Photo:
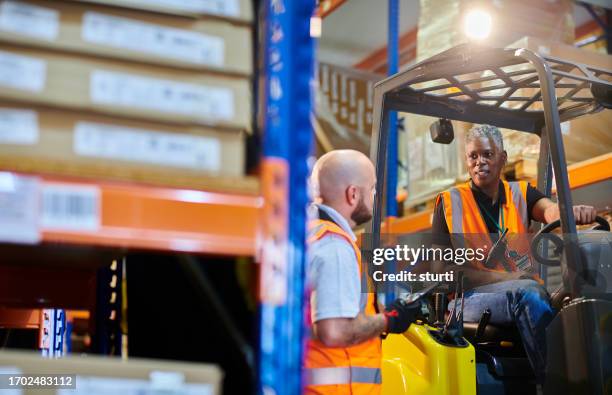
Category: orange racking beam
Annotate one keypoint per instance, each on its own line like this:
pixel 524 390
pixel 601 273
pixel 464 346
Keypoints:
pixel 590 171
pixel 19 318
pixel 168 219
pixel 326 7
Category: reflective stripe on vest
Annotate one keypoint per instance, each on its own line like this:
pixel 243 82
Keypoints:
pixel 457 210
pixel 518 198
pixel 455 225
pixel 342 375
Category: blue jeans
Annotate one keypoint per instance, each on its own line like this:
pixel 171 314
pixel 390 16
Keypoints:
pixel 524 303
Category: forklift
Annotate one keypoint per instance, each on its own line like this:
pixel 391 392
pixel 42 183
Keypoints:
pixel 439 355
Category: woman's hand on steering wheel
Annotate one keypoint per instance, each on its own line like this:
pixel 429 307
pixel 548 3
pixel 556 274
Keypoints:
pixel 584 215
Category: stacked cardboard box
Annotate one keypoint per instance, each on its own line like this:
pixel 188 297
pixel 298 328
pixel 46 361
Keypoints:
pixel 200 44
pixel 584 137
pixel 349 94
pixel 233 10
pixel 109 92
pixel 430 167
pixel 441 22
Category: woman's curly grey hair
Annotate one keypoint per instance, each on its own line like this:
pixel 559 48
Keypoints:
pixel 487 131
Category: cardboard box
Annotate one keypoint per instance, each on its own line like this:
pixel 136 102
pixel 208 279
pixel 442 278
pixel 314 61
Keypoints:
pixel 432 167
pixel 441 22
pixel 584 137
pixel 234 10
pixel 118 88
pixel 563 51
pixel 202 44
pixel 349 95
pixel 99 374
pixel 588 136
pixel 44 140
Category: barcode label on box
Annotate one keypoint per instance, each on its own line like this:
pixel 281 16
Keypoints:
pixel 216 7
pixel 18 126
pixel 138 145
pixel 70 207
pixel 29 20
pixel 22 72
pixel 19 208
pixel 119 89
pixel 146 37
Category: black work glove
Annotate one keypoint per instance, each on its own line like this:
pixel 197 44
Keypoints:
pixel 400 314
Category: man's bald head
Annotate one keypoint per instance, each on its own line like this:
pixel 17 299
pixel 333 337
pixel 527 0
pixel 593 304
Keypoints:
pixel 341 174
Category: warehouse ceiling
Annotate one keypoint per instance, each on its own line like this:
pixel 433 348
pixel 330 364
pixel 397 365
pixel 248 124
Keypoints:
pixel 359 27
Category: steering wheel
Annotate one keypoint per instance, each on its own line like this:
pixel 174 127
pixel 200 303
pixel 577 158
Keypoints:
pixel 544 234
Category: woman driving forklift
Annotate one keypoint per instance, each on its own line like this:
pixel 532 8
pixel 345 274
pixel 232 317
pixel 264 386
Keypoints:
pixel 487 210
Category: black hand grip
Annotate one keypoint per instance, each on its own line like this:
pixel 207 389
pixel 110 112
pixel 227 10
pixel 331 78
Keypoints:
pixel 482 324
pixel 439 308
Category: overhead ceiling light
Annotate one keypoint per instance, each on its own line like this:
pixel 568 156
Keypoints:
pixel 477 24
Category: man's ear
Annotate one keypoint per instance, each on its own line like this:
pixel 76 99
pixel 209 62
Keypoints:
pixel 351 195
pixel 505 156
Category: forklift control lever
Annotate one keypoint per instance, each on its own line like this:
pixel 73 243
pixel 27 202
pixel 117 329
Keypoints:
pixel 482 324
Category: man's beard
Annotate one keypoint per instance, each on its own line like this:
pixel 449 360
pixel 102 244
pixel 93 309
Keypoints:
pixel 361 215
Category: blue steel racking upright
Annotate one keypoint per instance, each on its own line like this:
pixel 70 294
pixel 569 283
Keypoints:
pixel 288 139
pixel 392 66
pixel 392 162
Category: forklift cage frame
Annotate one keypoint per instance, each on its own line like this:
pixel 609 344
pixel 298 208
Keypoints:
pixel 484 85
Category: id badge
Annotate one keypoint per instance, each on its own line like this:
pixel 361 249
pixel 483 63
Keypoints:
pixel 522 262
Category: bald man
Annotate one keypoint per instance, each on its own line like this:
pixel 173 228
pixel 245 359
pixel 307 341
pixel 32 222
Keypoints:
pixel 343 355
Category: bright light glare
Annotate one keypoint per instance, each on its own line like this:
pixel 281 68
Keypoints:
pixel 477 24
pixel 7 182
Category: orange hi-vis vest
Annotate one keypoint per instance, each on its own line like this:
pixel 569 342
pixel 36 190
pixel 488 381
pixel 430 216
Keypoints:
pixel 342 370
pixel 463 215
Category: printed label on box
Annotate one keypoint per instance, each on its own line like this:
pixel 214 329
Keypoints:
pixel 29 20
pixel 19 208
pixel 565 128
pixel 217 7
pixel 138 145
pixel 18 126
pixel 22 72
pixel 119 89
pixel 145 37
pixel 70 207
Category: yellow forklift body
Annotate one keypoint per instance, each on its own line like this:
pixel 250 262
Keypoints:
pixel 414 363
